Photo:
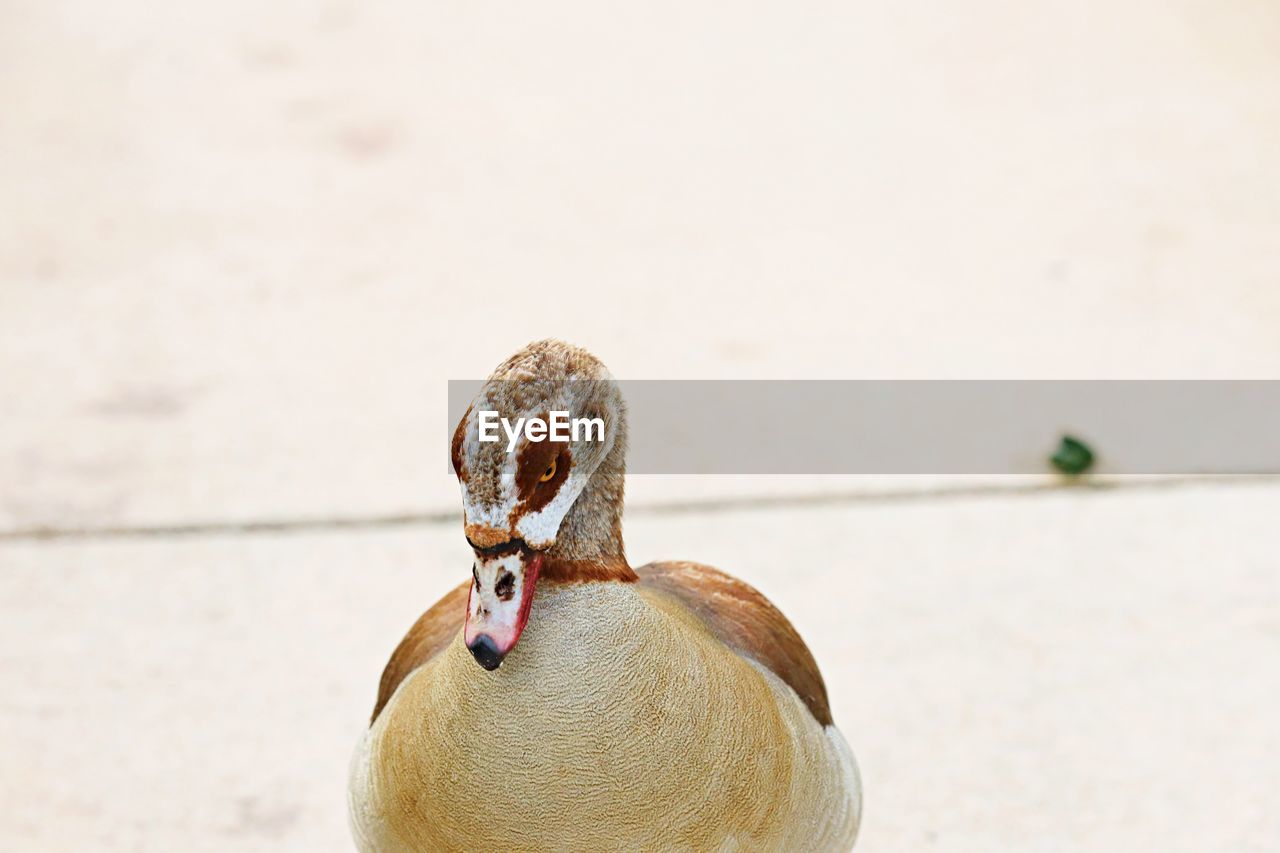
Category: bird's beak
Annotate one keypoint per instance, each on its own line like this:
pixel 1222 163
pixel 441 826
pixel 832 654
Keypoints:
pixel 498 608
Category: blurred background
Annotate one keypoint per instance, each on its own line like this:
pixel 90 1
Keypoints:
pixel 243 246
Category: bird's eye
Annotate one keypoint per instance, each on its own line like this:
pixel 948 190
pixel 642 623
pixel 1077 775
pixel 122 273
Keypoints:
pixel 549 473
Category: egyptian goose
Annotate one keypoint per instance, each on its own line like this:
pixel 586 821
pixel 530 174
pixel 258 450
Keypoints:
pixel 667 707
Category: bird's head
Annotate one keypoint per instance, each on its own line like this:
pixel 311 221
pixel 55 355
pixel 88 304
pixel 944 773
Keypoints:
pixel 554 416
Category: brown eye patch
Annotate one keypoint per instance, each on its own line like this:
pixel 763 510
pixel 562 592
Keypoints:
pixel 505 587
pixel 540 469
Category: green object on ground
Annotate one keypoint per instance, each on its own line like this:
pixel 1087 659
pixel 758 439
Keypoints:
pixel 1073 456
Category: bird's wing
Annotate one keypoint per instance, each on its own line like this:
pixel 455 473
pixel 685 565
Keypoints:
pixel 427 638
pixel 745 621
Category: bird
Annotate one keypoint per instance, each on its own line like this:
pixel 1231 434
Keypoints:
pixel 560 699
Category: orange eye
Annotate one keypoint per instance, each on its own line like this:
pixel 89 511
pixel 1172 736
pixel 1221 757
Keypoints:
pixel 549 473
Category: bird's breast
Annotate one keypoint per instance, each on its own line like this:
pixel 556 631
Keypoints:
pixel 616 722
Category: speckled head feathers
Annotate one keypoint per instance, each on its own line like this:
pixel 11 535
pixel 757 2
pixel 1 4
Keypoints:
pixel 528 491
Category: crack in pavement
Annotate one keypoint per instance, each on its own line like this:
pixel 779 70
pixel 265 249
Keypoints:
pixel 747 503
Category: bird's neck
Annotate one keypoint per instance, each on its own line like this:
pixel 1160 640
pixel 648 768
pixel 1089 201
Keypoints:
pixel 589 543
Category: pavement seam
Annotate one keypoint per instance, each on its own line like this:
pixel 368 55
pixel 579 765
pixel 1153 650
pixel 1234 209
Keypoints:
pixel 938 494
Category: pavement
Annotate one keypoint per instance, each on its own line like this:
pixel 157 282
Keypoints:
pixel 243 248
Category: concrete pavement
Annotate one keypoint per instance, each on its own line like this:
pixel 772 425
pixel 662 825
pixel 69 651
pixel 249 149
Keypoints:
pixel 244 246
pixel 1065 672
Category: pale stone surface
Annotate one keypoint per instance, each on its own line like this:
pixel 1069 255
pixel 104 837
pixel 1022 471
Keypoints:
pixel 243 245
pixel 1060 673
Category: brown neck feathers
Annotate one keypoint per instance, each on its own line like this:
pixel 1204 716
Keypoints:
pixel 585 571
pixel 589 543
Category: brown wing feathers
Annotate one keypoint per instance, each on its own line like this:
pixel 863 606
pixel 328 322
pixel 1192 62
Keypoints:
pixel 745 621
pixel 427 638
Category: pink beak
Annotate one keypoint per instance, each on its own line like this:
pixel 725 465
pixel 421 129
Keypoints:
pixel 498 606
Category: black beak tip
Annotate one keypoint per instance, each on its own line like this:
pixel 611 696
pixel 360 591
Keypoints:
pixel 486 653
